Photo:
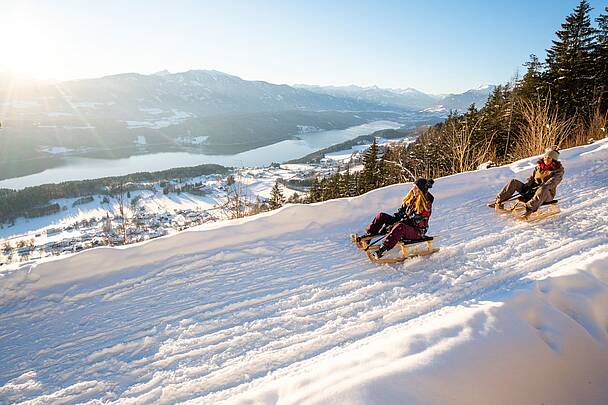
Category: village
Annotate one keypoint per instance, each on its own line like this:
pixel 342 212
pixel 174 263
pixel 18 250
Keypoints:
pixel 150 211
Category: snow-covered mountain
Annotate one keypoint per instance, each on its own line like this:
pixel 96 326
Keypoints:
pixel 408 98
pixel 127 114
pixel 391 98
pixel 281 307
pixel 196 92
pixel 461 102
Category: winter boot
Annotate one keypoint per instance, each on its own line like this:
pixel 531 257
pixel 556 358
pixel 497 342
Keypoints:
pixel 359 237
pixel 379 253
pixel 527 214
pixel 499 205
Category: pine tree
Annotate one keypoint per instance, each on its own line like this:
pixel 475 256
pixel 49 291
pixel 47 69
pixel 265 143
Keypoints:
pixel 345 182
pixel 533 85
pixel 314 194
pixel 370 176
pixel 601 60
pixel 277 200
pixel 570 62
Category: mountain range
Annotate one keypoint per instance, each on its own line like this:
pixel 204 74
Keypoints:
pixel 407 98
pixel 131 113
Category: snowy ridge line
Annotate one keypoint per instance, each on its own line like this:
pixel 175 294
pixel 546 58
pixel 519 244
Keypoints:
pixel 252 308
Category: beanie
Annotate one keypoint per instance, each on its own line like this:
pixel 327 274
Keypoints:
pixel 552 153
pixel 424 184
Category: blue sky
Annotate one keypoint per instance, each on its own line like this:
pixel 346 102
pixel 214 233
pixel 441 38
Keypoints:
pixel 434 46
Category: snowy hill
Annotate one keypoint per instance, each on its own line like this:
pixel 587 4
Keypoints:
pixel 281 307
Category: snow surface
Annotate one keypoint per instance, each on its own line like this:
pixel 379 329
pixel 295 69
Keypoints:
pixel 281 308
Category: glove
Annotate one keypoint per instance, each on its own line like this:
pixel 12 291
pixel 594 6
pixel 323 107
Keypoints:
pixel 401 214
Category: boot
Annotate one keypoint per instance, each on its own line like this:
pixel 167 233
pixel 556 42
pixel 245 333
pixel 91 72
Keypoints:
pixel 499 205
pixel 359 237
pixel 379 253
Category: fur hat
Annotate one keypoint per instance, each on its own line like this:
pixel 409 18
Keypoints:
pixel 552 152
pixel 424 184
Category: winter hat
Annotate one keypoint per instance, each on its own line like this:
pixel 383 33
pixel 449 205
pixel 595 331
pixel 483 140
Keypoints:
pixel 424 184
pixel 552 153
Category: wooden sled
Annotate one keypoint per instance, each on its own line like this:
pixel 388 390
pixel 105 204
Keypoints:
pixel 517 208
pixel 408 248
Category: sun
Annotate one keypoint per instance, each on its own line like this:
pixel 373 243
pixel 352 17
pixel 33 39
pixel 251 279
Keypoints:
pixel 26 45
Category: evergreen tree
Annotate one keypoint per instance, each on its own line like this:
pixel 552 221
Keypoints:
pixel 277 199
pixel 370 176
pixel 294 199
pixel 314 194
pixel 601 60
pixel 533 85
pixel 345 183
pixel 570 62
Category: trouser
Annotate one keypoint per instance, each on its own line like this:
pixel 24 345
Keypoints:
pixel 398 231
pixel 541 195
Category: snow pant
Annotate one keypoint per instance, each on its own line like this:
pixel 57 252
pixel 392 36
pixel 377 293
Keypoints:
pixel 541 195
pixel 399 230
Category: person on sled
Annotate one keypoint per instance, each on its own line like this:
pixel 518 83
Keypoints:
pixel 410 222
pixel 540 187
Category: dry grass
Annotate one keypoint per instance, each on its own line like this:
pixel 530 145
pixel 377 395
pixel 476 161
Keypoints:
pixel 461 153
pixel 541 127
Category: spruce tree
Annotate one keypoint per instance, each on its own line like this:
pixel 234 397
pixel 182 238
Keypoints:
pixel 533 85
pixel 601 60
pixel 345 182
pixel 570 62
pixel 277 200
pixel 314 194
pixel 369 176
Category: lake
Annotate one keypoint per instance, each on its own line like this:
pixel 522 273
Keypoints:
pixel 75 168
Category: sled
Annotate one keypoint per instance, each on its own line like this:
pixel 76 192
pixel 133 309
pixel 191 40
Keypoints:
pixel 517 208
pixel 407 248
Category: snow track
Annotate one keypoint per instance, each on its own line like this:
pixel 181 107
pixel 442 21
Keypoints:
pixel 210 314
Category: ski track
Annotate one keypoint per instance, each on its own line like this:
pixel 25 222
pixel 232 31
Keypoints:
pixel 177 333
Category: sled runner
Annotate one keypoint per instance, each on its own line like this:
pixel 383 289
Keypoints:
pixel 408 248
pixel 517 209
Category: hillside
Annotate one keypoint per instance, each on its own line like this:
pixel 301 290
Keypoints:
pixel 281 307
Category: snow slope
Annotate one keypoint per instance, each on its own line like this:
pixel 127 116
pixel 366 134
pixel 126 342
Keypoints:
pixel 281 308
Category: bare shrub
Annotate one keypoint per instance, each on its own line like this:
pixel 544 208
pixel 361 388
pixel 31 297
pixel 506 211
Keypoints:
pixel 238 202
pixel 597 126
pixel 540 128
pixel 462 151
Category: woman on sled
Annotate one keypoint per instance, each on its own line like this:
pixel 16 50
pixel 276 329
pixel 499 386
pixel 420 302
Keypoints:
pixel 410 222
pixel 540 187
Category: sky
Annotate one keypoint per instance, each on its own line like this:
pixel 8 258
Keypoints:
pixel 433 46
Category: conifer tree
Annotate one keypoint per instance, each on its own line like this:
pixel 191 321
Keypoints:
pixel 345 182
pixel 314 194
pixel 533 85
pixel 570 62
pixel 277 199
pixel 369 176
pixel 601 60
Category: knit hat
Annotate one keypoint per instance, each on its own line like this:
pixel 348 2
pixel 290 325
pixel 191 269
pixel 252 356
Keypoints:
pixel 424 184
pixel 552 153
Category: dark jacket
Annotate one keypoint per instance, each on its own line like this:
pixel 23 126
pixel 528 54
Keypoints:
pixel 420 222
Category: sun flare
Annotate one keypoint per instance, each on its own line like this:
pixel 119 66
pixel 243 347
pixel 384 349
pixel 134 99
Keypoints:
pixel 27 46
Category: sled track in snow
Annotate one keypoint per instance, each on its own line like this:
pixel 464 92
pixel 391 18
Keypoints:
pixel 178 332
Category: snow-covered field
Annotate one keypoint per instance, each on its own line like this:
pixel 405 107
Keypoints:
pixel 281 308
